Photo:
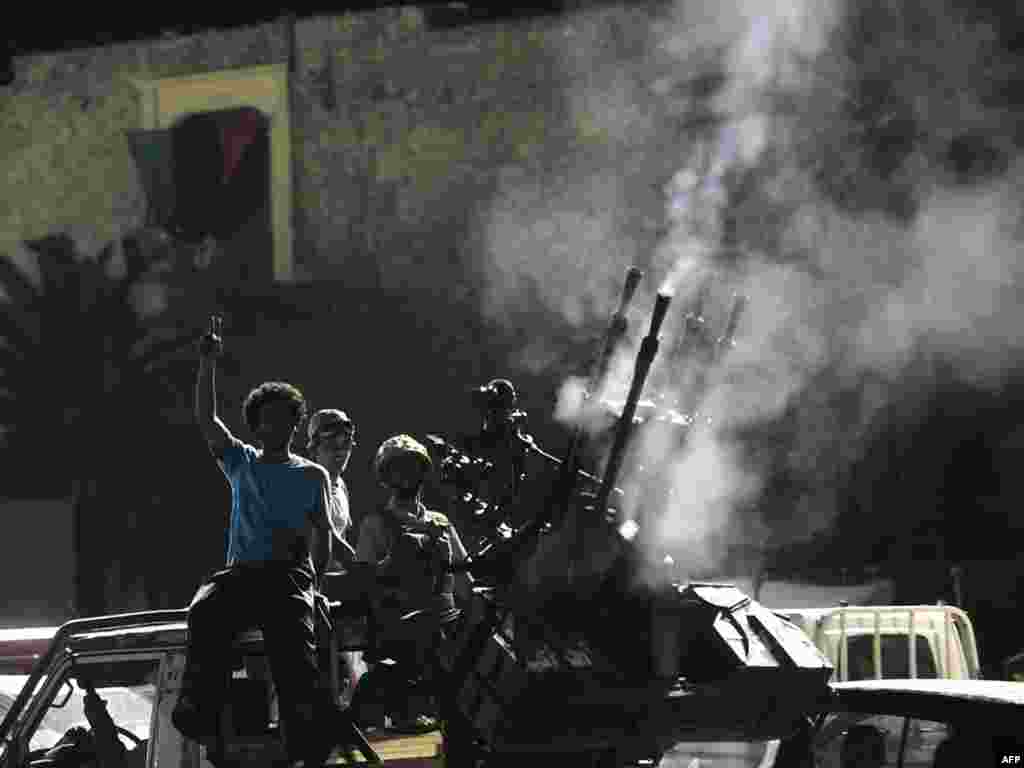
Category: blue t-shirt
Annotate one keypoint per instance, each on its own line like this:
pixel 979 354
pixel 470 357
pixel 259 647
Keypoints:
pixel 272 505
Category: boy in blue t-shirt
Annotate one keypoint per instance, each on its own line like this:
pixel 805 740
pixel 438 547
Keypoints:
pixel 279 541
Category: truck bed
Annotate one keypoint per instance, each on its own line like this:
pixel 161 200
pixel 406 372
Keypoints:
pixel 398 750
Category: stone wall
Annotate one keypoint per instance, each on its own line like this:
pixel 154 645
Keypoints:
pixel 401 128
pixel 404 134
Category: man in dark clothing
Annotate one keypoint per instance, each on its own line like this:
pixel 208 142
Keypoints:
pixel 279 542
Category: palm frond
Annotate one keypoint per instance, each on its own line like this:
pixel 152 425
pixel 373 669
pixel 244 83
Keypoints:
pixel 136 263
pixel 58 256
pixel 135 260
pixel 105 256
pixel 15 283
pixel 17 327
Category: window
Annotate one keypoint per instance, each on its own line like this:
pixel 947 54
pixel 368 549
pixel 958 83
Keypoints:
pixel 128 688
pixel 895 657
pixel 221 190
pixel 230 114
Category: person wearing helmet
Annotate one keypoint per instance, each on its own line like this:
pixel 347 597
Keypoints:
pixel 414 550
pixel 502 422
pixel 495 478
pixel 404 533
pixel 331 438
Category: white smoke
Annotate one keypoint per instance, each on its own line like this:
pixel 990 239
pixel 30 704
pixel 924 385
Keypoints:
pixel 836 294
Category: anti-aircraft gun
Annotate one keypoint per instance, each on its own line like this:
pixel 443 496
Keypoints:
pixel 571 652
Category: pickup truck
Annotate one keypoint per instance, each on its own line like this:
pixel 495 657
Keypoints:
pixel 105 688
pixel 134 662
pixel 875 642
pixel 869 642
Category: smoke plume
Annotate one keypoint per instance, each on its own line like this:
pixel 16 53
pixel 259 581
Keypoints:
pixel 850 171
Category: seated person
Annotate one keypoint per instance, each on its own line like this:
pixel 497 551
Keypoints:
pixel 413 550
pixel 332 436
pixel 100 745
pixel 279 543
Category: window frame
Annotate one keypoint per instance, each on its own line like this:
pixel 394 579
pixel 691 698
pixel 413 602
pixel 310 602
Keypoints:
pixel 31 718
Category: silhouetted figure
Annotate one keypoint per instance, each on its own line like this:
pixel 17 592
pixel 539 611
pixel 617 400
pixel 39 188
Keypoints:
pixel 498 477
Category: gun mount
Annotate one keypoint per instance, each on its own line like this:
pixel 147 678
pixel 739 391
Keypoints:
pixel 634 667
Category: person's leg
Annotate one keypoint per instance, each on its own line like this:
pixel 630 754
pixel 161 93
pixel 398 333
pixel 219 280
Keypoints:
pixel 289 633
pixel 416 642
pixel 213 619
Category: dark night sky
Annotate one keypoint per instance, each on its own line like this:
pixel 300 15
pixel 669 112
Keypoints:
pixel 37 33
pixel 42 30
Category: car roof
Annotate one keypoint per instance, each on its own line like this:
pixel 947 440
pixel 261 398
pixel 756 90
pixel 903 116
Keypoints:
pixel 998 691
pixel 156 636
pixel 129 631
pixel 1001 702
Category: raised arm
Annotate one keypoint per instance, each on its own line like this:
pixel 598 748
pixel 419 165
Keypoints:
pixel 214 432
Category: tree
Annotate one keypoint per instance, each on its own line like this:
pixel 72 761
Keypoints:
pixel 79 378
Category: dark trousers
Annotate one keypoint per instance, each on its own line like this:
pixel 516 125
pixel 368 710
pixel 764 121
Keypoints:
pixel 278 599
pixel 416 644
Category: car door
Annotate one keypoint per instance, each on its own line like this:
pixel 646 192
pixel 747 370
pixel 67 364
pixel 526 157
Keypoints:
pixel 170 749
pixel 848 739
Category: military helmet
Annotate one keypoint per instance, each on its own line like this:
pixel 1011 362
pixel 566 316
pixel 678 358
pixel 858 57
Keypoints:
pixel 400 447
pixel 497 395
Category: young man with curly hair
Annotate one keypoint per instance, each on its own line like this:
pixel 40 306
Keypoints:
pixel 279 541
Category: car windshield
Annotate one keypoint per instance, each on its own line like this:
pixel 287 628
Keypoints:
pixel 129 702
pixel 10 687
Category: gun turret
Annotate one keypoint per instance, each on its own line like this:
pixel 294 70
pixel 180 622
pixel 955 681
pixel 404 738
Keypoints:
pixel 616 330
pixel 648 351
